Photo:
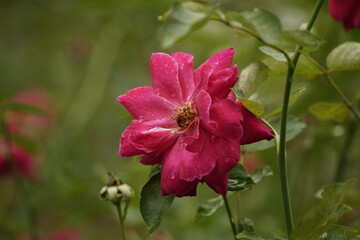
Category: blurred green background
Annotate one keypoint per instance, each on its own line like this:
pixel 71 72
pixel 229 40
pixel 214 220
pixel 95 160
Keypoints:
pixel 85 53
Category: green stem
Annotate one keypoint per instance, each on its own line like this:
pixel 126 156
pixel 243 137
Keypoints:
pixel 121 221
pixel 226 22
pixel 343 97
pixel 343 157
pixel 337 89
pixel 20 185
pixel 231 219
pixel 282 143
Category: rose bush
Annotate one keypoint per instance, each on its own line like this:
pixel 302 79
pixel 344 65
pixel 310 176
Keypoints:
pixel 189 122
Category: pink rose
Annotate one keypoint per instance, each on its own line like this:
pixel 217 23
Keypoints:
pixel 346 11
pixel 23 161
pixel 30 124
pixel 189 122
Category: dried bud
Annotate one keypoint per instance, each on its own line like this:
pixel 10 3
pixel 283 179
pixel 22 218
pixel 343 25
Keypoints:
pixel 116 191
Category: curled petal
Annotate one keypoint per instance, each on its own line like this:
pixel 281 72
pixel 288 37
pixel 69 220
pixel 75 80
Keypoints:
pixel 186 78
pixel 254 129
pixel 146 137
pixel 144 103
pixel 227 116
pixel 221 82
pixel 217 181
pixel 164 73
pixel 220 60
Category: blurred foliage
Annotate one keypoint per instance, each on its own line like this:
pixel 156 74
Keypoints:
pixel 85 53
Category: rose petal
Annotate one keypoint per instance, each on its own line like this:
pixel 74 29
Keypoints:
pixel 151 158
pixel 188 162
pixel 186 79
pixel 203 103
pixel 24 162
pixel 221 82
pixel 227 116
pixel 175 186
pixel 346 11
pixel 164 73
pixel 201 78
pixel 227 153
pixel 253 129
pixel 217 181
pixel 144 103
pixel 220 60
pixel 145 137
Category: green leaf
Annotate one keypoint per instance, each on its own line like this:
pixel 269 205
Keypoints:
pixel 240 179
pixel 330 111
pixel 253 236
pixel 357 95
pixel 261 22
pixel 275 54
pixel 305 68
pixel 255 107
pixel 23 108
pixel 294 128
pixel 293 97
pixel 182 19
pixel 303 38
pixel 209 207
pixel 248 236
pixel 154 170
pixel 258 174
pixel 251 77
pixel 344 57
pixel 245 225
pixel 337 232
pixel 152 204
pixel 323 216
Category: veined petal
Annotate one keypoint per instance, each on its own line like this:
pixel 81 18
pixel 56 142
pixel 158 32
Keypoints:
pixel 190 161
pixel 147 136
pixel 220 60
pixel 227 116
pixel 144 103
pixel 221 82
pixel 164 73
pixel 217 181
pixel 186 77
pixel 254 129
pixel 227 153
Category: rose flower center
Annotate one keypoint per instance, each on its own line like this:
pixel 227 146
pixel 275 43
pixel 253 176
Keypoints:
pixel 184 116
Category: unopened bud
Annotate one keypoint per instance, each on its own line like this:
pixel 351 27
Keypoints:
pixel 116 191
